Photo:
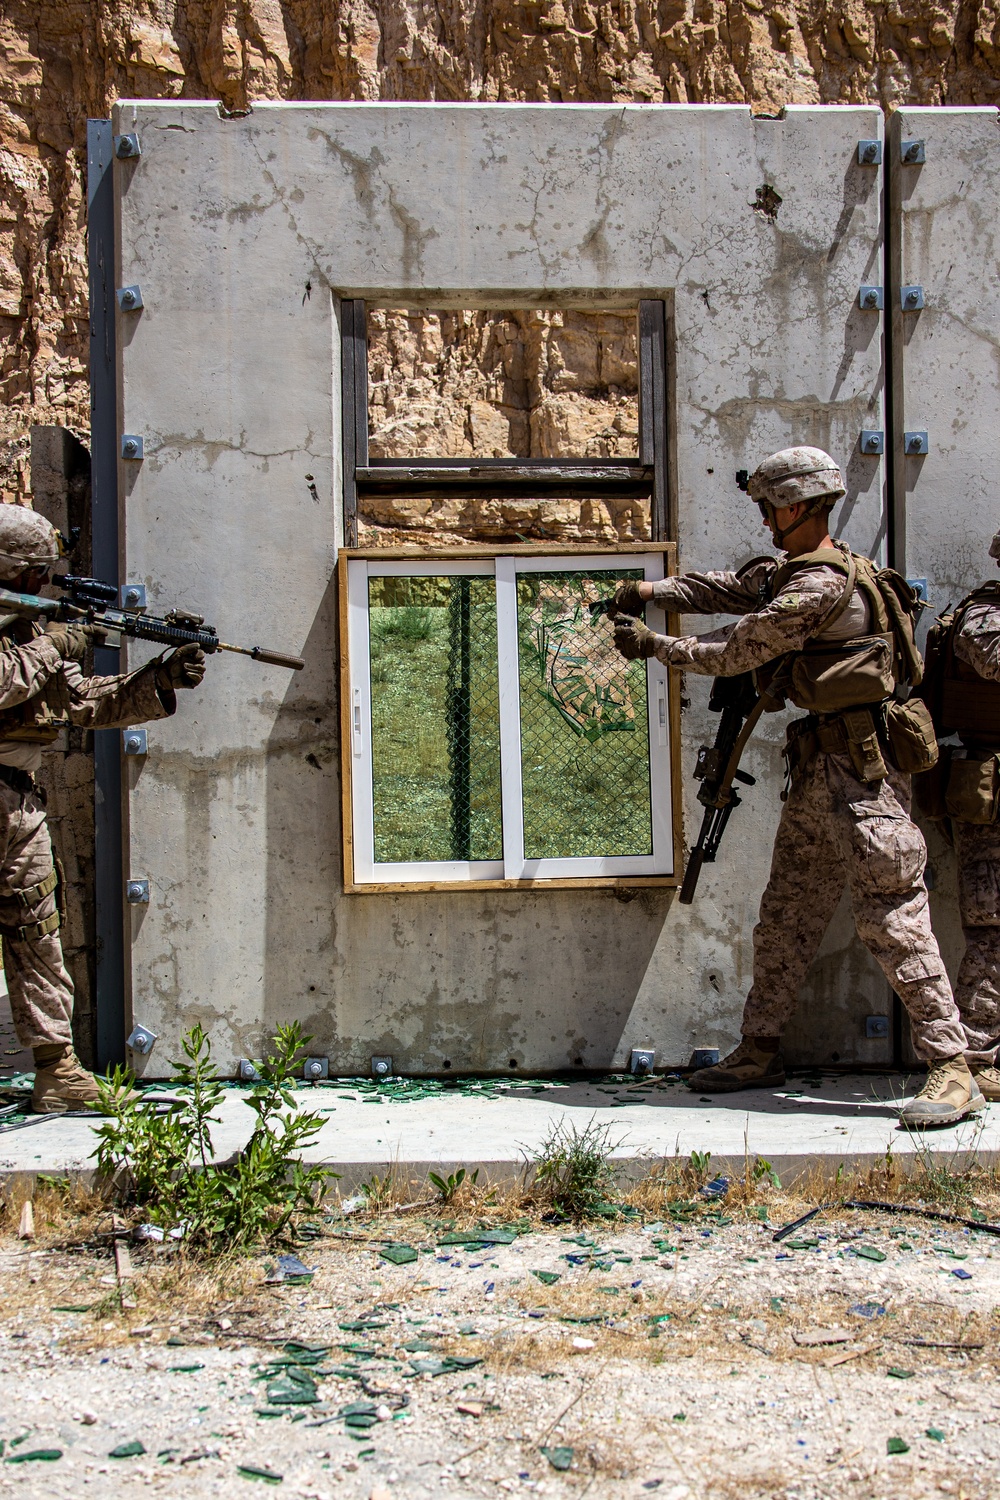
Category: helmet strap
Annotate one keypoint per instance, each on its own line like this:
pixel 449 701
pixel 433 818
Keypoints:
pixel 807 515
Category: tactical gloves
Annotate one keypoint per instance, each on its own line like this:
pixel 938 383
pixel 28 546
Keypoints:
pixel 184 668
pixel 628 600
pixel 634 640
pixel 71 641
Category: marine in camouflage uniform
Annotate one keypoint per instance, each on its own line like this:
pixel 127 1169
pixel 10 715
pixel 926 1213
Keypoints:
pixel 846 816
pixel 964 689
pixel 43 689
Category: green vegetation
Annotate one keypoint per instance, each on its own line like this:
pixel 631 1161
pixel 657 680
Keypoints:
pixel 163 1162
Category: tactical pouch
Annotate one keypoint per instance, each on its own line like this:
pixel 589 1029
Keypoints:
pixel 833 676
pixel 863 744
pixel 930 787
pixel 973 794
pixel 913 743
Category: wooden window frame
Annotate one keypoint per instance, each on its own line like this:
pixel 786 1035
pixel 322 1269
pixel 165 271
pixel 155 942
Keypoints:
pixel 469 552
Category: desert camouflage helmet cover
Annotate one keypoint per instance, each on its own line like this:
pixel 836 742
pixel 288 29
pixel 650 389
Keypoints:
pixel 27 540
pixel 796 474
pixel 995 548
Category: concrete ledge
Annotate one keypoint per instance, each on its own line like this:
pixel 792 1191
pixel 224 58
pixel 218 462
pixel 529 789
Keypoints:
pixel 805 1132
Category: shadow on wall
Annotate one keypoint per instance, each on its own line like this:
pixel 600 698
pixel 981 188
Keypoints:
pixel 455 981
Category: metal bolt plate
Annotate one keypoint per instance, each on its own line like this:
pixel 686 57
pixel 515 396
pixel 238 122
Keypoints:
pixel 876 1026
pixel 137 892
pixel 919 587
pixel 381 1067
pixel 914 442
pixel 869 153
pixel 127 146
pixel 131 446
pixel 246 1071
pixel 642 1060
pixel 133 597
pixel 911 298
pixel 704 1057
pixel 134 741
pixel 129 298
pixel 142 1040
pixel 315 1068
pixel 872 441
pixel 871 298
pixel 912 152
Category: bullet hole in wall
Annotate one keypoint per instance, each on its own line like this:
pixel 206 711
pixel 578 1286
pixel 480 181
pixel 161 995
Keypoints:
pixel 512 1063
pixel 446 1063
pixel 835 1057
pixel 578 1062
pixel 767 202
pixel 713 980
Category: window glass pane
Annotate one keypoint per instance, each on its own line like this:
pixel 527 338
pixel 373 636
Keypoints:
pixel 584 726
pixel 435 718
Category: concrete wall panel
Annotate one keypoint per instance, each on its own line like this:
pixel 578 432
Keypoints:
pixel 244 233
pixel 946 213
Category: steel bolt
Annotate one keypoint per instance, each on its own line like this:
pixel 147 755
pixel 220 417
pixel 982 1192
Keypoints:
pixel 911 299
pixel 914 445
pixel 132 596
pixel 130 447
pixel 871 443
pixel 314 1069
pixel 913 151
pixel 869 152
pixel 133 744
pixel 128 297
pixel 871 298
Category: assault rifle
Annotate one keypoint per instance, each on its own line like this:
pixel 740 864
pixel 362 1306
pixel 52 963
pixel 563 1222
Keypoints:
pixel 89 601
pixel 718 766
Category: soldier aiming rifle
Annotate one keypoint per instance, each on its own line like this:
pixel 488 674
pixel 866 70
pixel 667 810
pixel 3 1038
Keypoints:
pixel 832 633
pixel 42 690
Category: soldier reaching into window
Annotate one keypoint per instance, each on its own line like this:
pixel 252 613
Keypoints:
pixel 827 630
pixel 43 689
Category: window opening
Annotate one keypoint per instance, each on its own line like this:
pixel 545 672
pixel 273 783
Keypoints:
pixel 615 477
pixel 492 731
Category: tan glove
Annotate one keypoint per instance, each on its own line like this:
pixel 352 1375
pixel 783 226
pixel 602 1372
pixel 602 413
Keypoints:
pixel 628 600
pixel 634 640
pixel 72 641
pixel 184 668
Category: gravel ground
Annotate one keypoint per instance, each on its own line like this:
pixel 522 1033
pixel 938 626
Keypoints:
pixel 680 1359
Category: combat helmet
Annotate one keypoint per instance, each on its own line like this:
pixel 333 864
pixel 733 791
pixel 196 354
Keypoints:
pixel 995 549
pixel 791 475
pixel 27 540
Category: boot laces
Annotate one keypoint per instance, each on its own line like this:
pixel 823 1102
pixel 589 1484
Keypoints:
pixel 938 1080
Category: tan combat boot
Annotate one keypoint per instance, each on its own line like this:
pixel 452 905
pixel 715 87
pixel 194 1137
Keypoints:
pixel 988 1080
pixel 61 1081
pixel 749 1067
pixel 949 1094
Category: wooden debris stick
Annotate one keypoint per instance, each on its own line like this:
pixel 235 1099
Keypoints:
pixel 124 1269
pixel 846 1354
pixel 814 1336
pixel 26 1228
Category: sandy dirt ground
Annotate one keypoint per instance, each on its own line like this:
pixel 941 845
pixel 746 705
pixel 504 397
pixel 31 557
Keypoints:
pixel 686 1358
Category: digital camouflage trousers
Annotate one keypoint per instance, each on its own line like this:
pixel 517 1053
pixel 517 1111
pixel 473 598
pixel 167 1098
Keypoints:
pixel 41 991
pixel 835 828
pixel 977 990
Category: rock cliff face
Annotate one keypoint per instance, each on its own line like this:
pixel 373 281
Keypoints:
pixel 517 384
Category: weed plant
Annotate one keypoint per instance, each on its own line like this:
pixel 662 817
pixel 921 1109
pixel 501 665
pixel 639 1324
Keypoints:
pixel 163 1163
pixel 573 1172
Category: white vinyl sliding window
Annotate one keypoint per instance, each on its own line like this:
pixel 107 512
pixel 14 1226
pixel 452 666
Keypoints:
pixel 495 733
